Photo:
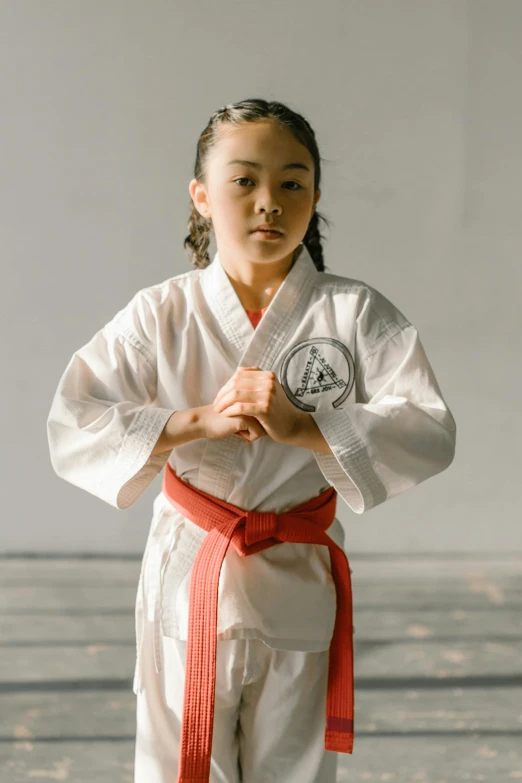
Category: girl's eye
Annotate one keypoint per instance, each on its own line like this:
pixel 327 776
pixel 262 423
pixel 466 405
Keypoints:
pixel 288 182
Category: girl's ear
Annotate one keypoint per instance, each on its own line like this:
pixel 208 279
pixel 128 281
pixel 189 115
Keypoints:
pixel 199 197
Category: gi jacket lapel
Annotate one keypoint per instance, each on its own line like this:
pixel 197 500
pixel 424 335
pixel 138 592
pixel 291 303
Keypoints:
pixel 260 347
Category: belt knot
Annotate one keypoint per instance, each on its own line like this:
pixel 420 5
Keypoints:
pixel 260 525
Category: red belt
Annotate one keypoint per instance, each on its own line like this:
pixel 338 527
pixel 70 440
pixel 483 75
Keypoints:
pixel 250 532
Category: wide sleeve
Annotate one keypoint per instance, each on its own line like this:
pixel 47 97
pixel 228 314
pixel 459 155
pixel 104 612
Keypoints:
pixel 400 431
pixel 105 421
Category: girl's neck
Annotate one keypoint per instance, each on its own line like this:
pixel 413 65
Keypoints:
pixel 256 285
pixel 253 298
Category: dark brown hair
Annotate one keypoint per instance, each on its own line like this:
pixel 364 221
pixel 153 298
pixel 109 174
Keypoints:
pixel 197 241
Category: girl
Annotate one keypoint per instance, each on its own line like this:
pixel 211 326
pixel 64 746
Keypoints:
pixel 264 386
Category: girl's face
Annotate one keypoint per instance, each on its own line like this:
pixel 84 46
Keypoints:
pixel 240 196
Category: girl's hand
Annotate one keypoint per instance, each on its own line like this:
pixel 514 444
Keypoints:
pixel 214 425
pixel 255 392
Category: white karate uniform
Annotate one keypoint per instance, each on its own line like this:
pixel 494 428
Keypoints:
pixel 342 352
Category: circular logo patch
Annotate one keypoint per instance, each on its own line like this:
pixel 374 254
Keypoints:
pixel 317 371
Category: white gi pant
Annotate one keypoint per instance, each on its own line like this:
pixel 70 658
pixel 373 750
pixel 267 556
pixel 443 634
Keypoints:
pixel 269 719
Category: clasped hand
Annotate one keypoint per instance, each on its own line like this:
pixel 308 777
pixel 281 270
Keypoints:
pixel 255 392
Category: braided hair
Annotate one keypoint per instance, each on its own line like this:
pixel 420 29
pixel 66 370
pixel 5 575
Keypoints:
pixel 198 239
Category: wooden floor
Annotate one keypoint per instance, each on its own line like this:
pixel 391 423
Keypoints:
pixel 438 663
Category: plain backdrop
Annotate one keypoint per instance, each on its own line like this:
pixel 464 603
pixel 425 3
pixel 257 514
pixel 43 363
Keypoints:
pixel 416 107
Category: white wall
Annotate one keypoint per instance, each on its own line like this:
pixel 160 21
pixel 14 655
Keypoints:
pixel 416 106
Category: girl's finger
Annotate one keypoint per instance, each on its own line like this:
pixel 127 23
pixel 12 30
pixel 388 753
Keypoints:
pixel 241 409
pixel 232 398
pixel 224 390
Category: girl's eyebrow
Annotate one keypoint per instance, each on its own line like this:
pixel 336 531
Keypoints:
pixel 259 166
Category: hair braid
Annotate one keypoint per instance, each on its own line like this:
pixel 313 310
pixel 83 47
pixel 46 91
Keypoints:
pixel 312 241
pixel 198 238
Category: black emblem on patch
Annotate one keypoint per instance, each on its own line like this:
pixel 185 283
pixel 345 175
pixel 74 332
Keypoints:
pixel 316 367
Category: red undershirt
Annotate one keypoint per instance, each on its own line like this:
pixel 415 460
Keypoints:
pixel 255 316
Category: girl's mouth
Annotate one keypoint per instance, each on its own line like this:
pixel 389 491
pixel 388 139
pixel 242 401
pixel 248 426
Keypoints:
pixel 267 234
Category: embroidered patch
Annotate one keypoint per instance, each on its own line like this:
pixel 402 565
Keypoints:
pixel 320 366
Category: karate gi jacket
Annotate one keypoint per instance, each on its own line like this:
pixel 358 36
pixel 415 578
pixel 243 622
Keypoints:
pixel 342 352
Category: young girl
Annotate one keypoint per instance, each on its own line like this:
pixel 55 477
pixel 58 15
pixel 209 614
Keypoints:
pixel 265 387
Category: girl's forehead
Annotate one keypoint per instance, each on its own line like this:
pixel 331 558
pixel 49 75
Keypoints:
pixel 244 140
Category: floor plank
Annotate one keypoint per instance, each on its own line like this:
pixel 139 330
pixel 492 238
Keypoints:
pixel 384 625
pixel 397 759
pixel 380 663
pixel 104 713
